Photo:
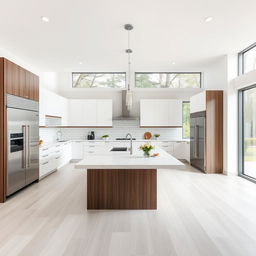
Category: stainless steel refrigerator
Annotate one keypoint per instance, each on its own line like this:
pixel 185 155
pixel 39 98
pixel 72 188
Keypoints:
pixel 22 143
pixel 197 140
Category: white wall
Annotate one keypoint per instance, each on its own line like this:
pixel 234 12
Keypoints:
pixel 214 77
pixel 50 81
pixel 8 55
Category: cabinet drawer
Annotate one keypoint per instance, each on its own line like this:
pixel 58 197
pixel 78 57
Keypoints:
pixel 45 157
pixel 47 167
pixel 45 150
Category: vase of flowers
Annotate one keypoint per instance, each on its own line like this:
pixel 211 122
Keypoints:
pixel 146 148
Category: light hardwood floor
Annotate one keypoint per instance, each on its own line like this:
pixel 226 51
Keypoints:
pixel 197 214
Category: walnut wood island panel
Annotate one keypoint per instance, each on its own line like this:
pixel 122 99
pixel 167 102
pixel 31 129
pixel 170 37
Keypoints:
pixel 121 189
pixel 124 181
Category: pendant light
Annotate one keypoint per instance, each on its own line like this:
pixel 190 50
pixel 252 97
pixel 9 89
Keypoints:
pixel 128 27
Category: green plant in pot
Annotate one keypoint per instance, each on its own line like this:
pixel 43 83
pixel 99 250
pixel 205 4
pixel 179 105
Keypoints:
pixel 157 135
pixel 105 137
pixel 146 148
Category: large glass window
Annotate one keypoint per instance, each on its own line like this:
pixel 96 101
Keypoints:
pixel 186 120
pixel 99 80
pixel 247 131
pixel 167 80
pixel 247 59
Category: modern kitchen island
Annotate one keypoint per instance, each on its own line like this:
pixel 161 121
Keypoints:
pixel 118 180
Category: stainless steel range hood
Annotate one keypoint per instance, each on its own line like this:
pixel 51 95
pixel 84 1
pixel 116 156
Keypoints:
pixel 125 112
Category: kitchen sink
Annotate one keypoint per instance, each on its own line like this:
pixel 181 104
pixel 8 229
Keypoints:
pixel 119 149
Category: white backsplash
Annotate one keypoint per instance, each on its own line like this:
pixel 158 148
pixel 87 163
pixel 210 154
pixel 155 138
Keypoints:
pixel 119 130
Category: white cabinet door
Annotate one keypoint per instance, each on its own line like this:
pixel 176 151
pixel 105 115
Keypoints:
pixel 53 105
pixel 90 112
pixel 187 151
pixel 179 150
pixel 77 150
pixel 166 146
pixel 104 113
pixel 147 113
pixel 75 113
pixel 175 113
pixel 161 112
pixel 198 102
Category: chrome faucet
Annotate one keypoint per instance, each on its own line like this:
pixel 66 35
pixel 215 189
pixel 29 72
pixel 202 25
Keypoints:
pixel 129 135
pixel 59 135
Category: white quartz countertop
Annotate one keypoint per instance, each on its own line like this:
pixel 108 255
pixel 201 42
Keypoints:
pixel 52 144
pixel 123 160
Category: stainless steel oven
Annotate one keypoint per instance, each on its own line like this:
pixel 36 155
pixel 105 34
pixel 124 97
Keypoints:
pixel 23 148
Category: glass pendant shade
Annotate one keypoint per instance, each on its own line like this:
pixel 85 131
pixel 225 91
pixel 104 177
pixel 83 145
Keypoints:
pixel 129 100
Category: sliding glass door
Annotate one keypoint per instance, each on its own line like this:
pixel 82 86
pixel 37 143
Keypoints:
pixel 247 132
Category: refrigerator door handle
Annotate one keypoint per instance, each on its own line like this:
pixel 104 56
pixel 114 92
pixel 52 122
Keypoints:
pixel 24 152
pixel 28 144
pixel 196 142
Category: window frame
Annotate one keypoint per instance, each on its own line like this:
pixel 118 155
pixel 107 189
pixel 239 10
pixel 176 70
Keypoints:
pixel 241 58
pixel 184 101
pixel 241 133
pixel 99 88
pixel 162 72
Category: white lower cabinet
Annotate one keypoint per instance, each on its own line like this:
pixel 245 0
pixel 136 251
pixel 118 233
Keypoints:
pixel 166 145
pixel 66 154
pixel 179 150
pixel 187 151
pixel 54 157
pixel 77 150
pixel 182 150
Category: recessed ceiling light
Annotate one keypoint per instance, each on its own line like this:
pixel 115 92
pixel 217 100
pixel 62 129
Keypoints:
pixel 173 63
pixel 80 62
pixel 208 19
pixel 45 19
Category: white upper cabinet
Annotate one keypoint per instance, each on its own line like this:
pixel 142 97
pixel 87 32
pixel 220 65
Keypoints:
pixel 147 109
pixel 162 112
pixel 198 102
pixel 104 112
pixel 90 112
pixel 175 113
pixel 75 112
pixel 52 104
pixel 76 116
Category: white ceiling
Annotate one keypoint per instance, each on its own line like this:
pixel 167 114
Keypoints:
pixel 92 31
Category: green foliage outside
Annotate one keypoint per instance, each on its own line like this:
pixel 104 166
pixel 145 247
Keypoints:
pixel 250 125
pixel 96 80
pixel 250 149
pixel 186 120
pixel 167 80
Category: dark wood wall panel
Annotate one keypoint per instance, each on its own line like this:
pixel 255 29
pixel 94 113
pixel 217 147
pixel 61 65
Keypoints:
pixel 20 82
pixel 121 189
pixel 36 88
pixel 2 133
pixel 214 131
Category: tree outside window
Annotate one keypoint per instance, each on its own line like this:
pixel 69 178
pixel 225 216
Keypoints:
pixel 186 120
pixel 167 80
pixel 99 80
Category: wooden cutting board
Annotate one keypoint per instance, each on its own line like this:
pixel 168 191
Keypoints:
pixel 147 135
